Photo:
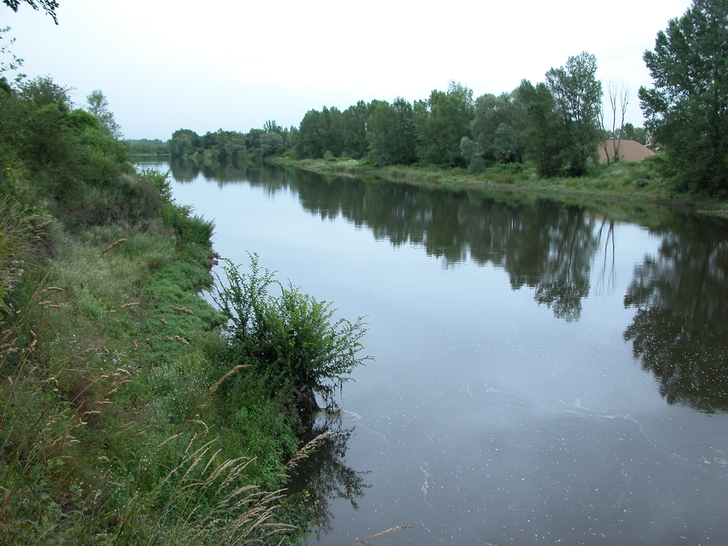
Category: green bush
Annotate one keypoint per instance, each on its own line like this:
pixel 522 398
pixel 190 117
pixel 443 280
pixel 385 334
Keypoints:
pixel 291 337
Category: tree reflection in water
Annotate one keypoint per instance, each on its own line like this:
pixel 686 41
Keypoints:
pixel 544 245
pixel 323 475
pixel 680 330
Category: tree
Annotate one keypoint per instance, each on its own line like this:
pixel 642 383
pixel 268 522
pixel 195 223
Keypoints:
pixel 183 141
pixel 320 132
pixel 630 132
pixel 391 134
pixel 271 143
pixel 446 123
pixel 494 139
pixel 577 96
pixel 539 127
pixel 354 123
pixel 618 102
pixel 43 91
pixel 687 110
pixel 49 6
pixel 271 126
pixel 98 106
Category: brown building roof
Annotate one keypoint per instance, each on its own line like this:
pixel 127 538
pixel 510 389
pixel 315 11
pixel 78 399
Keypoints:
pixel 628 149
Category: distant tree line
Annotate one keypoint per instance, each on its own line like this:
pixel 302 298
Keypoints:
pixel 555 124
pixel 146 146
pixel 233 146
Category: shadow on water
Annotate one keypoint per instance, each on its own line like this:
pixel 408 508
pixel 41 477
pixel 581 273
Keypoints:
pixel 323 476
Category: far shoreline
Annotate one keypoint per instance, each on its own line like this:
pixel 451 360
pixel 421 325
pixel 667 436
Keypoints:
pixel 617 183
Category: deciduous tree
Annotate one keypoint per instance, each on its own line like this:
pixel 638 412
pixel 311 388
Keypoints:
pixel 687 109
pixel 447 122
pixel 391 134
pixel 98 106
pixel 494 139
pixel 539 127
pixel 577 96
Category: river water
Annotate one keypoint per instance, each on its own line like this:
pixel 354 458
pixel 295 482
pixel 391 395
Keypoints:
pixel 543 373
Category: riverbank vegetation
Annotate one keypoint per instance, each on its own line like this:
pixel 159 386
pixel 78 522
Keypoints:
pixel 549 133
pixel 131 410
pixel 148 147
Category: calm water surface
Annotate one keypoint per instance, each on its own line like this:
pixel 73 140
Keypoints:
pixel 543 374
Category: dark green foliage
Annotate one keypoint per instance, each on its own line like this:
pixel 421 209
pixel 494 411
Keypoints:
pixel 391 133
pixel 630 132
pixel 444 124
pixel 290 338
pixel 49 6
pixel 320 132
pixel 183 141
pixel 231 146
pixel 539 127
pixel 76 164
pixel 189 228
pixel 559 120
pixel 688 107
pixel 43 91
pixel 494 138
pixel 144 146
pixel 354 120
pixel 577 96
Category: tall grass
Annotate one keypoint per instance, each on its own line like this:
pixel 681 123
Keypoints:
pixel 110 424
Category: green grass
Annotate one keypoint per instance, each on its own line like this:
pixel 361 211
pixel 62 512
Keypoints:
pixel 112 428
pixel 638 182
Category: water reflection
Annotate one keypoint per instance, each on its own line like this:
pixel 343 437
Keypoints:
pixel 542 244
pixel 323 476
pixel 680 330
pixel 484 418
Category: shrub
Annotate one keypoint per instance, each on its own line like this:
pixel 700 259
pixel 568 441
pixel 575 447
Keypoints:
pixel 290 337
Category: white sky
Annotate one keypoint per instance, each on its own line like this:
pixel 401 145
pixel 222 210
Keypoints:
pixel 167 64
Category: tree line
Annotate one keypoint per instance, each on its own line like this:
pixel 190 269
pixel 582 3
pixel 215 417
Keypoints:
pixel 556 125
pixel 233 146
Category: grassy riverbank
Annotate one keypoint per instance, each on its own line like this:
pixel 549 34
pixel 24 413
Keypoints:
pixel 111 430
pixel 131 410
pixel 639 182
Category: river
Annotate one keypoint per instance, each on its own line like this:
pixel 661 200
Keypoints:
pixel 542 373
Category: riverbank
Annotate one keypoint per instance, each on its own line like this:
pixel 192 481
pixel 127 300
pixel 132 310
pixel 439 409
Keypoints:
pixel 127 413
pixel 636 182
pixel 113 428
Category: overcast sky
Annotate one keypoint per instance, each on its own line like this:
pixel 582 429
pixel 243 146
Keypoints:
pixel 231 64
